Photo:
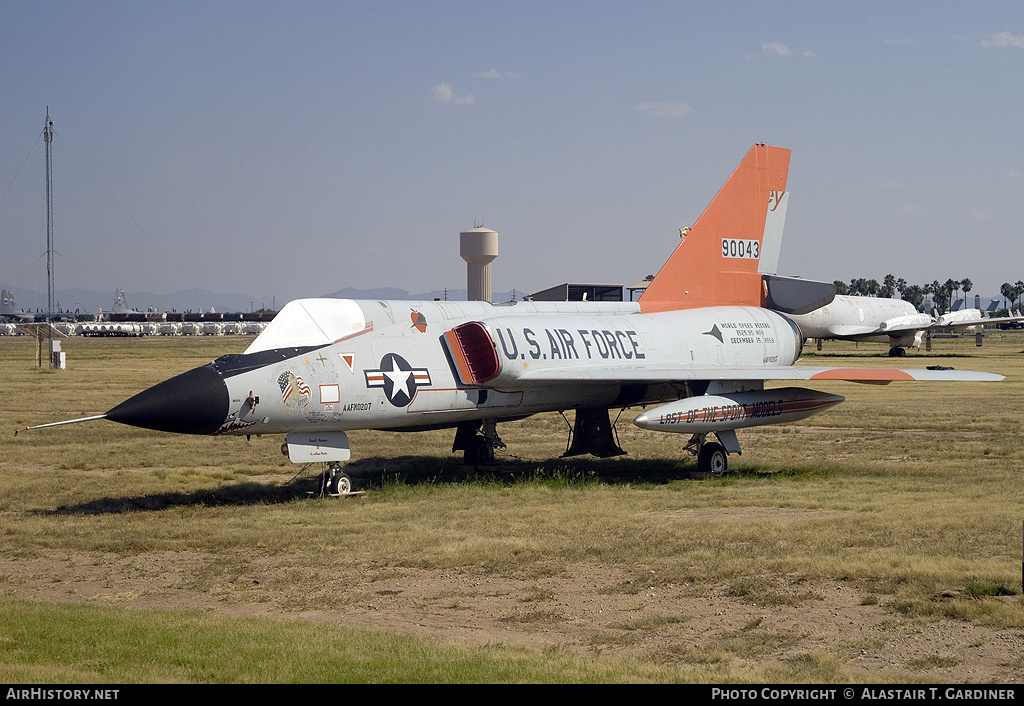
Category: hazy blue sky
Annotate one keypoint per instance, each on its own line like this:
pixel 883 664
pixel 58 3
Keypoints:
pixel 296 148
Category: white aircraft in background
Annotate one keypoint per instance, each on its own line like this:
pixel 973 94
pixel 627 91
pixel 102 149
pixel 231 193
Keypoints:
pixel 695 353
pixel 882 320
pixel 972 319
pixel 870 319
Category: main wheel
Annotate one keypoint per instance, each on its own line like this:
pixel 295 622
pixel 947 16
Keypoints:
pixel 712 458
pixel 479 452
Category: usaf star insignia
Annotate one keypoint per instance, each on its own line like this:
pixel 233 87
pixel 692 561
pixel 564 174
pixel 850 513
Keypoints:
pixel 399 379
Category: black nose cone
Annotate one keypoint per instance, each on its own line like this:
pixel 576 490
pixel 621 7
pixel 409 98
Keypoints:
pixel 195 402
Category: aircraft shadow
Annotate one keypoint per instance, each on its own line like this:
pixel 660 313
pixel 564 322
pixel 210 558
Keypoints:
pixel 415 470
pixel 239 494
pixel 375 473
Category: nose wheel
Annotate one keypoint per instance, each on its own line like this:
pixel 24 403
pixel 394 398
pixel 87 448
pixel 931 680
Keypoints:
pixel 335 482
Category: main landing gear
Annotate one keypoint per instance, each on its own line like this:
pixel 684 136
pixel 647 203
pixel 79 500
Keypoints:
pixel 477 441
pixel 713 456
pixel 593 433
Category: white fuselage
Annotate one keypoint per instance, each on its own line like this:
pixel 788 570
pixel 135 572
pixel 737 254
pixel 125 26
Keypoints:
pixel 865 319
pixel 384 365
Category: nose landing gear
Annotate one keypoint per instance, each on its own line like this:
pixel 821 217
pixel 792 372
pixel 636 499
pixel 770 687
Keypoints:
pixel 335 481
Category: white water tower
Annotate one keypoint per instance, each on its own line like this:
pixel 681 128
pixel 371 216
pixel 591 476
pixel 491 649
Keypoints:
pixel 478 248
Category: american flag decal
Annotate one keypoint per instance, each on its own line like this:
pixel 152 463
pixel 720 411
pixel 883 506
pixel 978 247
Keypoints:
pixel 294 392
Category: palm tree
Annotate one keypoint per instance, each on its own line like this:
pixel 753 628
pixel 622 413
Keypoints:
pixel 913 293
pixel 951 286
pixel 1007 291
pixel 937 296
pixel 966 285
pixel 888 287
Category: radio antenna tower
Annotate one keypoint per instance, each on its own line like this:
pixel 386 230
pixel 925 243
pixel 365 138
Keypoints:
pixel 48 139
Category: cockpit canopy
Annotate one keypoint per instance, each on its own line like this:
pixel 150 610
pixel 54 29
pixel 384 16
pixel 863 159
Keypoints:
pixel 310 322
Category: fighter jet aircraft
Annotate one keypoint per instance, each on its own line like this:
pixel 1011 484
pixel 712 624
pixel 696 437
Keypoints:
pixel 694 353
pixel 9 311
pixel 34 324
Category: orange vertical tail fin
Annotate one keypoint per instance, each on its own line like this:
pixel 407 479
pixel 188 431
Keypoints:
pixel 718 261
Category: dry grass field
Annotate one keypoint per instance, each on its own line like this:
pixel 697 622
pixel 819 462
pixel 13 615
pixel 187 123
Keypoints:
pixel 877 542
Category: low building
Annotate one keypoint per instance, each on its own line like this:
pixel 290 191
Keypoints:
pixel 569 292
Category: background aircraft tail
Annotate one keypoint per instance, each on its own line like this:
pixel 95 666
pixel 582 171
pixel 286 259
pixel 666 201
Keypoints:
pixel 720 259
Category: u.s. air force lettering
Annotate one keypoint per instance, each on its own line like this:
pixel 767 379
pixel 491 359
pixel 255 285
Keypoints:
pixel 565 344
pixel 399 379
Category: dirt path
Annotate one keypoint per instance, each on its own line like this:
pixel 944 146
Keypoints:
pixel 592 610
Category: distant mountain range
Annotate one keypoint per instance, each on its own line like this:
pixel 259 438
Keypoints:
pixel 90 302
pixel 195 300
